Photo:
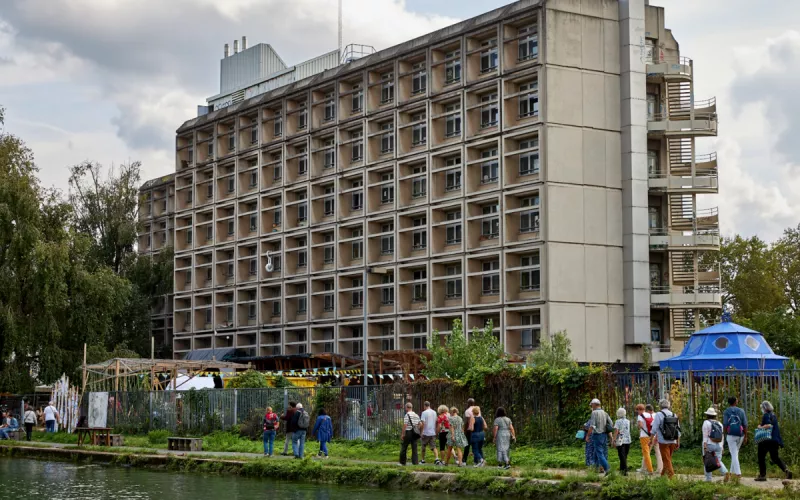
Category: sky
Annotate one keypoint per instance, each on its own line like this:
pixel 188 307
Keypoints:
pixel 111 80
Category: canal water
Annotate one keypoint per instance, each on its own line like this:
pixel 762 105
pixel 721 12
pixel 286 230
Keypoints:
pixel 25 478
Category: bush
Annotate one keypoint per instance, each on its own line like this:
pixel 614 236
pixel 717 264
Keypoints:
pixel 252 427
pixel 157 438
pixel 250 379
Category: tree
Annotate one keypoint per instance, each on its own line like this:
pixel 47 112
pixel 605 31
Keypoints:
pixel 461 358
pixel 781 330
pixel 251 379
pixel 555 352
pixel 786 253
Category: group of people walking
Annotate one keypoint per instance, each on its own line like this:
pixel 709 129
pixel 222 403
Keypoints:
pixel 661 432
pixel 456 436
pixel 298 422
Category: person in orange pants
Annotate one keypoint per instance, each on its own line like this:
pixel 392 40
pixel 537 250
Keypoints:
pixel 644 422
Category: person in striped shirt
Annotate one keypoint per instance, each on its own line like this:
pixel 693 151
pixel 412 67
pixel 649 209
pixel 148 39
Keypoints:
pixel 412 429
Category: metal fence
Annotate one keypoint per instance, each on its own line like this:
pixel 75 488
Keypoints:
pixel 539 412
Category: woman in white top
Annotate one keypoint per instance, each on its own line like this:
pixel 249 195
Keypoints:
pixel 622 440
pixel 711 446
pixel 29 421
pixel 647 439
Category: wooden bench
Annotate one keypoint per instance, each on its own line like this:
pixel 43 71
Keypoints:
pixel 117 440
pixel 185 444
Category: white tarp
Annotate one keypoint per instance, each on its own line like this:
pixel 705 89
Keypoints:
pixel 184 383
pixel 98 409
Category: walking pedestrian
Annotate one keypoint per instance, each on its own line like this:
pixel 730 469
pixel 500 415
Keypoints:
pixel 713 446
pixel 468 423
pixel 29 420
pixel 287 417
pixel 478 436
pixel 503 434
pixel 428 418
pixel 600 428
pixel 770 443
pixel 443 429
pixel 323 429
pixel 668 433
pixel 644 423
pixel 734 421
pixel 271 424
pixel 654 442
pixel 456 439
pixel 51 416
pixel 301 421
pixel 412 428
pixel 588 449
pixel 622 439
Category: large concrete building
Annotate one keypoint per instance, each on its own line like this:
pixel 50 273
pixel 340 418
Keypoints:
pixel 535 166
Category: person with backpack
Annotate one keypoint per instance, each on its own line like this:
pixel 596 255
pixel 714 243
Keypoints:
pixel 271 424
pixel 644 422
pixel 287 417
pixel 323 429
pixel 300 420
pixel 768 437
pixel 734 421
pixel 411 433
pixel 713 445
pixel 600 429
pixel 668 432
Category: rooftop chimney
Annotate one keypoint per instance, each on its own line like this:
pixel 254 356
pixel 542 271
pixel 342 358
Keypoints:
pixel 244 43
pixel 236 46
pixel 227 50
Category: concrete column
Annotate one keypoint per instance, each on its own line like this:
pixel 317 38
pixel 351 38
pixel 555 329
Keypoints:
pixel 635 233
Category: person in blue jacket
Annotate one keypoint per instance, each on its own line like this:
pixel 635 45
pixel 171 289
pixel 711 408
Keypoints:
pixel 323 430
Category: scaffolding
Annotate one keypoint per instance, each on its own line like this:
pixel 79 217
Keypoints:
pixel 127 374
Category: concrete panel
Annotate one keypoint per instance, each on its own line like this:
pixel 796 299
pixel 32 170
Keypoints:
pixel 594 157
pixel 639 300
pixel 570 318
pixel 611 46
pixel 614 255
pixel 594 105
pixel 564 155
pixel 596 274
pixel 613 160
pixel 597 344
pixel 594 215
pixel 566 277
pixel 635 247
pixel 559 108
pixel 564 213
pixel 634 86
pixel 634 165
pixel 640 279
pixel 631 8
pixel 563 38
pixel 614 217
pixel 592 43
pixel 612 100
pixel 635 194
pixel 634 139
pixel 573 6
pixel 633 112
pixel 637 329
pixel 616 336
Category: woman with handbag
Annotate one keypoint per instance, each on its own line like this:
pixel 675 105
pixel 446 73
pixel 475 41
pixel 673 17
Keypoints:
pixel 712 446
pixel 768 438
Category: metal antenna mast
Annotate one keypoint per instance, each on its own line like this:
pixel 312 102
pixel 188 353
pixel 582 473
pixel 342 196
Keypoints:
pixel 340 30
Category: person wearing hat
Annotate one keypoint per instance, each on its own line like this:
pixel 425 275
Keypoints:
pixel 600 429
pixel 713 443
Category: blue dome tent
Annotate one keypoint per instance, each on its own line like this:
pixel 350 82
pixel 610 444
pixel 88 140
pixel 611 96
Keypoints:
pixel 725 346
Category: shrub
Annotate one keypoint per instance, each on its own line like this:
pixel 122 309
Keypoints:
pixel 157 437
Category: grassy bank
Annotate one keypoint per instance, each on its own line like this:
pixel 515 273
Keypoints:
pixel 350 473
pixel 527 458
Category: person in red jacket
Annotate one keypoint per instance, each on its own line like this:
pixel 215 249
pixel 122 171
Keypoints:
pixel 271 425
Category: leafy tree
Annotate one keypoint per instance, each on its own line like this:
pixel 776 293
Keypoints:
pixel 781 330
pixel 553 353
pixel 464 359
pixel 251 379
pixel 786 253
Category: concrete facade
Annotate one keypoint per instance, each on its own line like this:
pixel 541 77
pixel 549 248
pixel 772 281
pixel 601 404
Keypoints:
pixel 499 169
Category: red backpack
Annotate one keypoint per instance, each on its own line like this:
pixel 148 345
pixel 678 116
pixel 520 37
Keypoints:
pixel 649 423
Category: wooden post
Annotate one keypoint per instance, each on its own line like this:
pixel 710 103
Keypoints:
pixel 152 348
pixel 116 377
pixel 83 387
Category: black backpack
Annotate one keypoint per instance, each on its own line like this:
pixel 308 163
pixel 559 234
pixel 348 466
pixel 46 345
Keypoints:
pixel 670 427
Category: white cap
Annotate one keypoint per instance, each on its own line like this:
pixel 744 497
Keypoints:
pixel 595 401
pixel 299 406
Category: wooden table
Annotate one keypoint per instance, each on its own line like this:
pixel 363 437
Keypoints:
pixel 104 433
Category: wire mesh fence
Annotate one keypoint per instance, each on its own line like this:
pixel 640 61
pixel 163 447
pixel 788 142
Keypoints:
pixel 538 411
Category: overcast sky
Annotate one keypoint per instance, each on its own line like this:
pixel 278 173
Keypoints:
pixel 111 80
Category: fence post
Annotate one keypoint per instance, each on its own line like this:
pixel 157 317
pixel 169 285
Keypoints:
pixel 235 406
pixel 150 420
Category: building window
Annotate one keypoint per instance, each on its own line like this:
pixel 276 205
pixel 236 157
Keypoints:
pixel 387 295
pixel 210 149
pixel 452 124
pixel 276 217
pixel 357 202
pixel 490 226
pixel 531 337
pixel 327 254
pixel 302 259
pixel 189 195
pixel 420 343
pixel 387 88
pixel 254 135
pixel 419 292
pixel 358 250
pixel 356 147
pixel 277 127
pixel 419 240
pixel 358 348
pixel 251 311
pixel 276 309
pixel 302 119
pixel 210 191
pixel 231 227
pixel 452 68
pixel 189 237
pixel 253 223
pixel 490 168
pixel 302 305
pixel 418 187
pixel 489 110
pixel 231 143
pixel 253 267
pixel 276 172
pixel 529 220
pixel 387 190
pixel 529 279
pixel 489 56
pixel 387 344
pixel 328 206
pixel 357 297
pixel 329 157
pixel 453 231
pixel 528 43
pixel 330 107
pixel 302 212
pixel 652 164
pixel 452 180
pixel 419 131
pixel 529 162
pixel 387 244
pixel 491 278
pixel 529 100
pixel 387 138
pixel 419 79
pixel 357 99
pixel 453 285
pixel 327 302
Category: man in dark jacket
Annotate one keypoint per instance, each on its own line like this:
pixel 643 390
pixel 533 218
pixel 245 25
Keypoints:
pixel 290 427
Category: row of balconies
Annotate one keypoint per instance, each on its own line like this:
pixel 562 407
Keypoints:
pixel 456 226
pixel 423 127
pixel 155 236
pixel 517 328
pixel 509 162
pixel 155 203
pixel 398 82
